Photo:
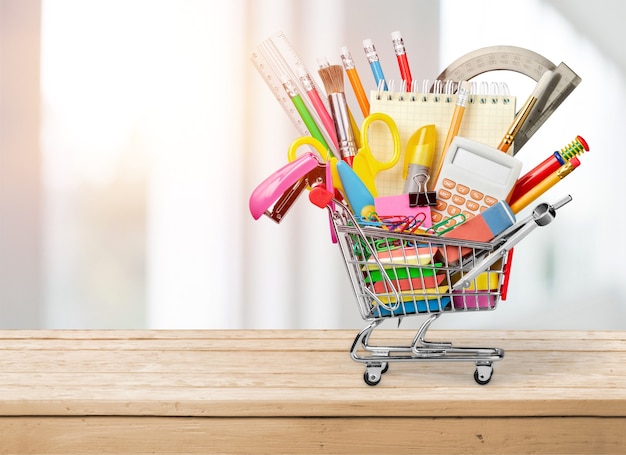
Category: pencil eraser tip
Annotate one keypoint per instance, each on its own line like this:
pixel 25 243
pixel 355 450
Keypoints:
pixel 367 42
pixel 396 35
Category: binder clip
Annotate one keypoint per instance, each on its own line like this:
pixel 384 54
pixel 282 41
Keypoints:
pixel 423 197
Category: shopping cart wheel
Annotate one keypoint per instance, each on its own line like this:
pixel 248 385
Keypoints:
pixel 374 373
pixel 483 374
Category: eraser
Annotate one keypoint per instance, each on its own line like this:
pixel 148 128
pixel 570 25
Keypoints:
pixel 480 228
pixel 498 218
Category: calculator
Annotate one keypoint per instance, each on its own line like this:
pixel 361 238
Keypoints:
pixel 473 177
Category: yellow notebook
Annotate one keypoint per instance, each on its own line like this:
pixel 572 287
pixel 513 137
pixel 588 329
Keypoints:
pixel 488 114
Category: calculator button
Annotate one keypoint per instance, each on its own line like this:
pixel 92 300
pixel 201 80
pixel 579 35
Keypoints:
pixel 441 205
pixel 483 208
pixel 458 200
pixel 450 222
pixel 462 189
pixel 436 217
pixel 471 205
pixel 453 210
pixel 489 200
pixel 444 194
pixel 449 184
pixel 476 195
pixel 467 214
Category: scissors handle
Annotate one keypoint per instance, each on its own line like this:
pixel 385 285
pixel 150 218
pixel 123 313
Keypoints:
pixel 366 165
pixel 323 153
pixel 393 130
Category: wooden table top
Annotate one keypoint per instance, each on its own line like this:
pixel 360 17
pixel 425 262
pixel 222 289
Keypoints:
pixel 289 373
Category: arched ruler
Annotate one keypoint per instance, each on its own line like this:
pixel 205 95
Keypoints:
pixel 523 61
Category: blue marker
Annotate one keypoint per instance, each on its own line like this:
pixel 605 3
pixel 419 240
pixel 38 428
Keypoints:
pixel 372 58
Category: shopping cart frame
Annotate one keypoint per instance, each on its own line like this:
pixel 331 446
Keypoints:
pixel 456 287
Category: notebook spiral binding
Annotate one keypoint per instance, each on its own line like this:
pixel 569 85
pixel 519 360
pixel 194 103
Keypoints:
pixel 445 91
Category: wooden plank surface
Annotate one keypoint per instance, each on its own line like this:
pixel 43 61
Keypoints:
pixel 370 435
pixel 303 374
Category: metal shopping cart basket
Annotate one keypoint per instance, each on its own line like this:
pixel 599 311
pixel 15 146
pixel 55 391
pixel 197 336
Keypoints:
pixel 397 274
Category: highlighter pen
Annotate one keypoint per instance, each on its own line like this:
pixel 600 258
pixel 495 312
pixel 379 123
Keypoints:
pixel 524 112
pixel 355 80
pixel 418 158
pixel 545 185
pixel 403 62
pixel 372 58
pixel 307 118
pixel 547 167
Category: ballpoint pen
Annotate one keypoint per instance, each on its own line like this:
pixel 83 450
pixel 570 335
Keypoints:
pixel 355 81
pixel 403 62
pixel 372 58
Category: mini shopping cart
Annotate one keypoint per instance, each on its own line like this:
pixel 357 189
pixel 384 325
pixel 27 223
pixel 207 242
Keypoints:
pixel 398 274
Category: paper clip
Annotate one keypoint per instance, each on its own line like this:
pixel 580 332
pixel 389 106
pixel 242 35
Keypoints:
pixel 413 223
pixel 434 229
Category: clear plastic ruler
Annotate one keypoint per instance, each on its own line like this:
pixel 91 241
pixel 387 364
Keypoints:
pixel 523 61
pixel 276 60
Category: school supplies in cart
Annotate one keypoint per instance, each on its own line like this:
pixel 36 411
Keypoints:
pixel 429 228
pixel 487 114
pixel 388 285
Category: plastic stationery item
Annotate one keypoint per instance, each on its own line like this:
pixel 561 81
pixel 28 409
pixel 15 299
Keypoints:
pixel 397 274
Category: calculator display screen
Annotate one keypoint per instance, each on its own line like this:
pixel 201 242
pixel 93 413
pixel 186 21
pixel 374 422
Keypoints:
pixel 496 172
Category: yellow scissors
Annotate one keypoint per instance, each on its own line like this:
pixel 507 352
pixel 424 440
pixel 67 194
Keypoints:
pixel 365 164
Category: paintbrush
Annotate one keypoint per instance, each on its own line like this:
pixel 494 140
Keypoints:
pixel 332 78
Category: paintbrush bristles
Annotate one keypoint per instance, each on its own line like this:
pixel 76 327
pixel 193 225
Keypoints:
pixel 332 78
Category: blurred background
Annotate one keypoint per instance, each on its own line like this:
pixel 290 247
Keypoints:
pixel 133 132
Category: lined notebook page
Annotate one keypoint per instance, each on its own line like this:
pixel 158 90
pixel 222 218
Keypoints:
pixel 486 119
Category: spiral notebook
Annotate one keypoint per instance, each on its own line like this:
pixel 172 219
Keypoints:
pixel 488 114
